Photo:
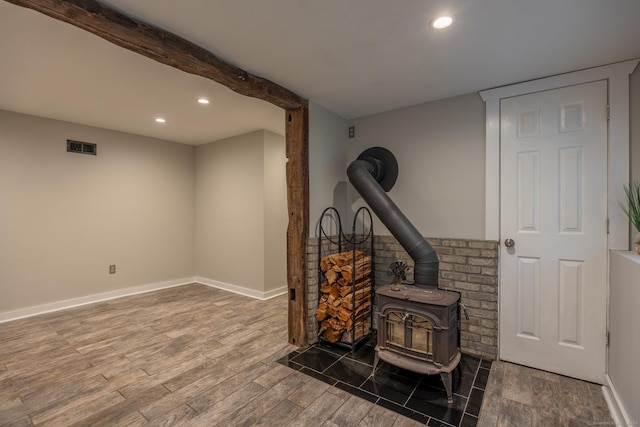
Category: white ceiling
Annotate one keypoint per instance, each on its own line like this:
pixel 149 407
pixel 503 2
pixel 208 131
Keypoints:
pixel 356 57
pixel 54 70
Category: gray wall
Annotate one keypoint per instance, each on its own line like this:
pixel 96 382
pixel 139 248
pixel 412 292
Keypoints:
pixel 276 217
pixel 623 320
pixel 440 151
pixel 139 204
pixel 241 214
pixel 440 147
pixel 327 163
pixel 64 217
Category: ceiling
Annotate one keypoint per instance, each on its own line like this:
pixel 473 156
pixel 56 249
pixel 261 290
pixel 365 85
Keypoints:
pixel 54 70
pixel 355 58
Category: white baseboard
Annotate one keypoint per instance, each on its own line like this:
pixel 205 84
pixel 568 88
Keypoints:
pixel 616 408
pixel 241 290
pixel 104 296
pixel 89 299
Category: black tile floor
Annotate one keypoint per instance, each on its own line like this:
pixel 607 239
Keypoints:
pixel 421 397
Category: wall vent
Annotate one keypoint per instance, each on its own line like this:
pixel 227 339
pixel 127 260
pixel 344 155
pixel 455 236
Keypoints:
pixel 81 147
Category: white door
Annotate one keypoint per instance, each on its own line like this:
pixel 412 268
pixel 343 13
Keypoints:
pixel 553 299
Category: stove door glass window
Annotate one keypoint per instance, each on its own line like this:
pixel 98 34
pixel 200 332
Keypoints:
pixel 395 328
pixel 421 334
pixel 410 333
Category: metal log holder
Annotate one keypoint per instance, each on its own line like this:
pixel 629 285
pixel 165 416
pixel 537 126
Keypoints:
pixel 332 240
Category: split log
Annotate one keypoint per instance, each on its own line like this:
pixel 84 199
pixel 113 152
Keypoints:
pixel 340 259
pixel 334 291
pixel 360 309
pixel 362 267
pixel 332 335
pixel 321 313
pixel 331 275
pixel 345 290
pixel 354 299
pixel 360 331
pixel 325 287
pixel 331 310
pixel 344 314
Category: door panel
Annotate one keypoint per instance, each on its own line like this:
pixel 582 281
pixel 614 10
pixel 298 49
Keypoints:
pixel 554 206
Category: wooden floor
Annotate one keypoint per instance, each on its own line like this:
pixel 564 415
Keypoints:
pixel 519 396
pixel 190 355
pixel 194 355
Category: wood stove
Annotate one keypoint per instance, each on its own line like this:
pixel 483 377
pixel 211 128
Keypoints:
pixel 418 330
pixel 417 324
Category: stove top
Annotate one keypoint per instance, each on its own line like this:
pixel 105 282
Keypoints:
pixel 419 294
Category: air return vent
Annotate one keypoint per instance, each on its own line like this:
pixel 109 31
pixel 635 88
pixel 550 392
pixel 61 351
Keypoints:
pixel 81 147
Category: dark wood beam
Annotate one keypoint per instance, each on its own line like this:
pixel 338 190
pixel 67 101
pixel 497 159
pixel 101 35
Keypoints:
pixel 172 50
pixel 162 46
pixel 298 202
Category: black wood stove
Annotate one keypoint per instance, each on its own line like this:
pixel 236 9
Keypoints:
pixel 417 324
pixel 418 330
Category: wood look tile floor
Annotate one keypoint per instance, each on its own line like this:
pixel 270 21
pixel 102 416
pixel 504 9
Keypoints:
pixel 195 356
pixel 519 396
pixel 190 355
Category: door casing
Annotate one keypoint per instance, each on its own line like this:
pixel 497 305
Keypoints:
pixel 617 76
pixel 554 204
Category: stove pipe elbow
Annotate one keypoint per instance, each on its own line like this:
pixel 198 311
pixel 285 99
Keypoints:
pixel 366 174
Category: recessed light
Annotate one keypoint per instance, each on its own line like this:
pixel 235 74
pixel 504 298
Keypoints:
pixel 203 100
pixel 160 120
pixel 442 22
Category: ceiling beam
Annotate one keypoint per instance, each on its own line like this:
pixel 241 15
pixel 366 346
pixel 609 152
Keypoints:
pixel 162 46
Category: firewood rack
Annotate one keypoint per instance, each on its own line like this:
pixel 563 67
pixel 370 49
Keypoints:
pixel 346 288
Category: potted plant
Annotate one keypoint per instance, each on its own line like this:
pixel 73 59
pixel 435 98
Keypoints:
pixel 632 209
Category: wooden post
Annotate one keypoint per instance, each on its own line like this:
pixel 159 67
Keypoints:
pixel 297 137
pixel 171 49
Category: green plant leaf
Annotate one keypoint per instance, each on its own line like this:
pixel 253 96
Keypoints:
pixel 632 206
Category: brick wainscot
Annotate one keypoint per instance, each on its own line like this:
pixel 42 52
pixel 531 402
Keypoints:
pixel 469 267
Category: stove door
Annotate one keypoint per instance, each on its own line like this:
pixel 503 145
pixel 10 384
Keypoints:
pixel 409 334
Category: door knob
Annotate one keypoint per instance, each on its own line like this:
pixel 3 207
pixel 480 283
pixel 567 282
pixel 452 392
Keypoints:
pixel 509 243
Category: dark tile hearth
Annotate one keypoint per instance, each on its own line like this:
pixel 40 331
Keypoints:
pixel 421 397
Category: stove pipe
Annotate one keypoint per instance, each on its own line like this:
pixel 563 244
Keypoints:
pixel 372 175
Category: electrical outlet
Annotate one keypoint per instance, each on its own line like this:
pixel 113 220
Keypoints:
pixel 352 131
pixel 112 269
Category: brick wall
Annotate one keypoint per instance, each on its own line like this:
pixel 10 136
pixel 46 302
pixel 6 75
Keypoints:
pixel 469 267
pixel 312 290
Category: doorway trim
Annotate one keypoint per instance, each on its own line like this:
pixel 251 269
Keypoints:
pixel 617 76
pixel 170 49
pixel 618 162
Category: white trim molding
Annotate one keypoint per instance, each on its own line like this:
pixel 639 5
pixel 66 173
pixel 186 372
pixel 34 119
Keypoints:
pixel 241 290
pixel 617 76
pixel 618 413
pixel 119 293
pixel 90 299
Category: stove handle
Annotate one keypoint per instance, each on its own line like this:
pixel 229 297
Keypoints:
pixel 464 310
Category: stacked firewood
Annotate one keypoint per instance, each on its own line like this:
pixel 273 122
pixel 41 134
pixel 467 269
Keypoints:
pixel 345 297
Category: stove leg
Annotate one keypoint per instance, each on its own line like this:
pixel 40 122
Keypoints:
pixel 376 359
pixel 446 380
